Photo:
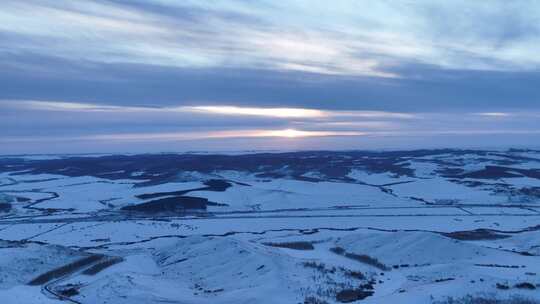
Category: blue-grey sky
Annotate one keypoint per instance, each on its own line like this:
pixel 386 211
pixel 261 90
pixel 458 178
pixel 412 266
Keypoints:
pixel 177 75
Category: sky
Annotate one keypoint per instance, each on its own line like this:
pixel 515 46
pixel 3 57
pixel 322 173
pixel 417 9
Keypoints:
pixel 179 75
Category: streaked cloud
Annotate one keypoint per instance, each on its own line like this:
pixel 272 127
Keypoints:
pixel 183 136
pixel 493 114
pixel 345 38
pixel 64 106
pixel 510 115
pixel 288 133
pixel 295 112
pixel 216 110
pixel 270 112
pixel 374 114
pixel 370 124
pixel 115 124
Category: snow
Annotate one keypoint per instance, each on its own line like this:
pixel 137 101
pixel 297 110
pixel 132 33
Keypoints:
pixel 377 178
pixel 223 256
pixel 25 294
pixel 442 189
pixel 20 263
pixel 396 248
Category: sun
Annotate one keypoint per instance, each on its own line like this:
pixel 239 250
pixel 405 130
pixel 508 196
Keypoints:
pixel 289 133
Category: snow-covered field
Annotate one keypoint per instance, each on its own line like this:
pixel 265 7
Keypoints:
pixel 306 227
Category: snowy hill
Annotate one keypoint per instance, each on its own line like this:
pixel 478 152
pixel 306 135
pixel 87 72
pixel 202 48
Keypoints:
pixel 296 227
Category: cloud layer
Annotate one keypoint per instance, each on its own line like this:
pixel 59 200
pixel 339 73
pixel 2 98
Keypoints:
pixel 345 38
pixel 91 71
pixel 52 126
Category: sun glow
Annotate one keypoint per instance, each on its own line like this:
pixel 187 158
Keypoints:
pixel 290 133
pixel 286 133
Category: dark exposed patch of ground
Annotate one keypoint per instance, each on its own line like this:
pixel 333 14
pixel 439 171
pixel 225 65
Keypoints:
pixel 321 267
pixel 66 269
pixel 498 266
pixel 211 185
pixel 21 199
pixel 160 168
pixel 68 290
pixel 170 204
pixel 475 235
pixel 525 285
pixel 362 258
pixel 5 207
pixel 153 169
pixel 533 192
pixel 314 300
pixel 444 280
pixel 353 294
pixel 496 172
pixel 293 245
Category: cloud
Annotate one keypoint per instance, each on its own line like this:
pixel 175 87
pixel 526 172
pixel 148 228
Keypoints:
pixel 295 112
pixel 269 112
pixel 77 69
pixel 182 136
pixel 305 36
pixel 215 110
pixel 66 106
pixel 90 120
pixel 494 114
pixel 289 133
